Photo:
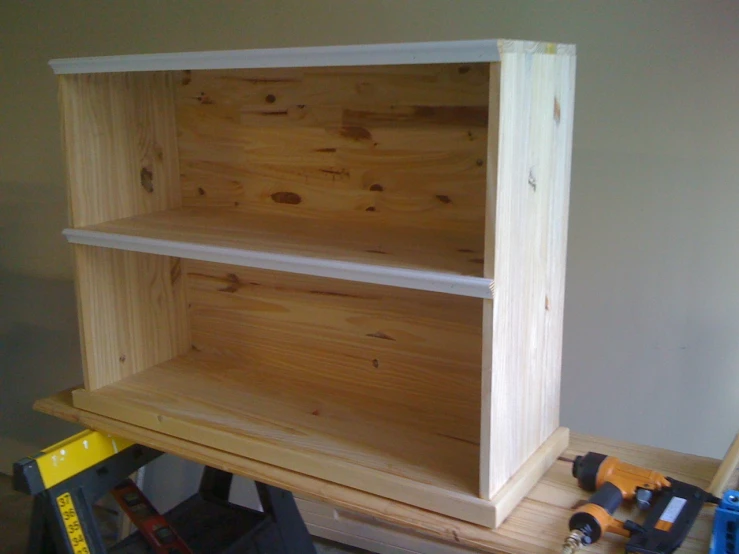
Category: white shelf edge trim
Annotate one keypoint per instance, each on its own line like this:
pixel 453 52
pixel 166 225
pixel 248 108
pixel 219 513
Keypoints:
pixel 461 285
pixel 462 51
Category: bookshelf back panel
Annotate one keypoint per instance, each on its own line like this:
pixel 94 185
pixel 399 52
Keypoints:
pixel 401 146
pixel 413 357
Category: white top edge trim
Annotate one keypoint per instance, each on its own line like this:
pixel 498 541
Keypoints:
pixel 417 279
pixel 462 51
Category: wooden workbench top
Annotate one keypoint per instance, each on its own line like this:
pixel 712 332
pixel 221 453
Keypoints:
pixel 538 525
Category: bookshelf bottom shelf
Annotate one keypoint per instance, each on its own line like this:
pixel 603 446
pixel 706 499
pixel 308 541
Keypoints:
pixel 256 413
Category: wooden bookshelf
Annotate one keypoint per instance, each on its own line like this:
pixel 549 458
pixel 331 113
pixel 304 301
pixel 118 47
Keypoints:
pixel 347 261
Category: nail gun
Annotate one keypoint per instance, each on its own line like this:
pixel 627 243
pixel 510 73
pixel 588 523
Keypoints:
pixel 672 506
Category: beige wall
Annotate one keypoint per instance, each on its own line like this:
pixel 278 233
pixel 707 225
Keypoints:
pixel 652 316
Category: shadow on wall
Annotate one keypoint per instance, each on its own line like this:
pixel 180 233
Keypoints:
pixel 39 345
pixel 39 355
pixel 32 216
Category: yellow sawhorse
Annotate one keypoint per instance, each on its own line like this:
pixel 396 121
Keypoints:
pixel 67 478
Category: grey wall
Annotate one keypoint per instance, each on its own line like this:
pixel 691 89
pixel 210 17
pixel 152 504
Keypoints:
pixel 652 315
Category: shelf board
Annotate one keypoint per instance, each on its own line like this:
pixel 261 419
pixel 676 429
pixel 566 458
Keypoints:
pixel 408 258
pixel 305 427
pixel 313 56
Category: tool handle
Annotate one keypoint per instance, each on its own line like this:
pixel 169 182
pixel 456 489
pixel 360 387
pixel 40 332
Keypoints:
pixel 726 469
pixel 608 497
pixel 596 517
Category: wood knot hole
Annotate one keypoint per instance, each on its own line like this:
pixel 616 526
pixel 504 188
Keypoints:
pixel 147 179
pixel 286 198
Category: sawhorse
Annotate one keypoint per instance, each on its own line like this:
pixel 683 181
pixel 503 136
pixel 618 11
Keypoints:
pixel 68 478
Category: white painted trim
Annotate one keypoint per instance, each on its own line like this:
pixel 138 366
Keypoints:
pixel 417 279
pixel 462 51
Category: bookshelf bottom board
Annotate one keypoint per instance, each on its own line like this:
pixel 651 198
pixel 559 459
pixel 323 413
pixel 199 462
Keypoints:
pixel 256 414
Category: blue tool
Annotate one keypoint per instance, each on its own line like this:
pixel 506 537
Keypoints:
pixel 725 539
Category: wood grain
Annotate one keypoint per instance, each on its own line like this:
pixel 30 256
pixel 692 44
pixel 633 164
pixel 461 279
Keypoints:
pixel 537 525
pixel 333 434
pixel 405 355
pixel 120 143
pixel 364 243
pixel 486 447
pixel 131 311
pixel 455 172
pixel 364 252
pixel 403 146
pixel 728 467
pixel 521 377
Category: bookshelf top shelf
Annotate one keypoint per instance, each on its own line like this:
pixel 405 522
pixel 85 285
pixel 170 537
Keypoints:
pixel 460 51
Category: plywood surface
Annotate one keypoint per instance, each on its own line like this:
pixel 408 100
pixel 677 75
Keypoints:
pixel 368 243
pixel 326 432
pixel 132 312
pixel 397 145
pixel 363 251
pixel 120 143
pixel 523 358
pixel 538 525
pixel 406 355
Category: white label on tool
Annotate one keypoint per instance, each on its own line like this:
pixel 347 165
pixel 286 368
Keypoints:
pixel 674 507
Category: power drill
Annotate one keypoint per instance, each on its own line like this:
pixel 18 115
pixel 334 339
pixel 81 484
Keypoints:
pixel 672 506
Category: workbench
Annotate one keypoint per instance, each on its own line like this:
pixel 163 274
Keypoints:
pixel 538 525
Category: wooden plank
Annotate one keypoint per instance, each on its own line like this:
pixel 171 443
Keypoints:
pixel 121 145
pixel 491 189
pixel 726 470
pixel 357 89
pixel 528 474
pixel 368 533
pixel 538 525
pixel 131 310
pixel 413 356
pixel 360 54
pixel 534 152
pixel 368 252
pixel 399 146
pixel 321 431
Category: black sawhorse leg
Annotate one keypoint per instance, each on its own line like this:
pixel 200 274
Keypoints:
pixel 279 529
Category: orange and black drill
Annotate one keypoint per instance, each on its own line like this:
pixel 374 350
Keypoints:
pixel 672 506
